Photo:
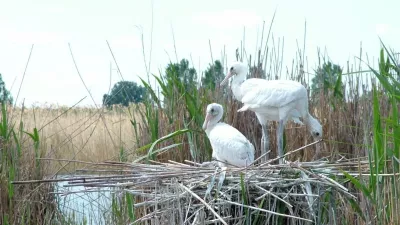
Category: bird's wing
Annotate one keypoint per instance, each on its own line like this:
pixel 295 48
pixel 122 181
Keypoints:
pixel 248 154
pixel 227 135
pixel 271 93
pixel 230 145
pixel 242 157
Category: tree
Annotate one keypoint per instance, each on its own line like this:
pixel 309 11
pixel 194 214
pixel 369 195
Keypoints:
pixel 328 79
pixel 5 95
pixel 181 71
pixel 213 75
pixel 124 92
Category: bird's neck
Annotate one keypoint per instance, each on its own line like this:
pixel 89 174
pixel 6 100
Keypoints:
pixel 236 83
pixel 213 122
pixel 309 121
pixel 210 127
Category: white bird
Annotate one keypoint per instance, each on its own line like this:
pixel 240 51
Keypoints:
pixel 272 100
pixel 230 147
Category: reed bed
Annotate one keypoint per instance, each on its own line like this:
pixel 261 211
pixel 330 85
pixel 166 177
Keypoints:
pixel 80 133
pixel 357 181
pixel 194 193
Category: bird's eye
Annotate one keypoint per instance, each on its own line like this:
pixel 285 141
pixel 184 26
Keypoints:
pixel 317 133
pixel 231 68
pixel 212 110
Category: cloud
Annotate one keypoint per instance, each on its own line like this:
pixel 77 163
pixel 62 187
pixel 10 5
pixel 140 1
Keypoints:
pixel 28 37
pixel 382 29
pixel 228 18
pixel 125 41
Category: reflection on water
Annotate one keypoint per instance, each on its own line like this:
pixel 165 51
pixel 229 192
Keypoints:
pixel 90 206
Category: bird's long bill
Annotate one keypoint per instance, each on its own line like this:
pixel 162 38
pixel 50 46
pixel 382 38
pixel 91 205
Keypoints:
pixel 206 121
pixel 318 150
pixel 226 79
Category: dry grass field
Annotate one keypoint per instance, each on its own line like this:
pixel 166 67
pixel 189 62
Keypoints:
pixel 79 134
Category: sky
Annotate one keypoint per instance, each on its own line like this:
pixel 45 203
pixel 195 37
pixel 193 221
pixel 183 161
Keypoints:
pixel 53 26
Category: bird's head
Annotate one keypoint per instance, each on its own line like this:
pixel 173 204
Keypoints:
pixel 315 128
pixel 214 113
pixel 236 68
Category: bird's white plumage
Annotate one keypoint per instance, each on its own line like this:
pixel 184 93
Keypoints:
pixel 272 93
pixel 275 99
pixel 272 100
pixel 229 145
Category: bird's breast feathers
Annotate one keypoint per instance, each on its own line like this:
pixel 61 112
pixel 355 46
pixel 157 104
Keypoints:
pixel 223 132
pixel 230 145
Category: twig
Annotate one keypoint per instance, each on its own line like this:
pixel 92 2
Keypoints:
pixel 90 94
pixel 264 210
pixel 23 76
pixel 291 152
pixel 272 194
pixel 205 203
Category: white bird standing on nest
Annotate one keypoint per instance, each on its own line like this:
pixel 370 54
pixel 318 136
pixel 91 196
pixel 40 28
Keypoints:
pixel 277 100
pixel 228 144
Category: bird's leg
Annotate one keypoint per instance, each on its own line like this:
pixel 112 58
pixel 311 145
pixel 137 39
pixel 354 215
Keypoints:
pixel 279 136
pixel 264 142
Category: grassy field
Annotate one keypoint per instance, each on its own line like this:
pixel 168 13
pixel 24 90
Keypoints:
pixel 83 134
pixel 359 117
pixel 45 141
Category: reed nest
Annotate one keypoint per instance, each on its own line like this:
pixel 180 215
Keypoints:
pixel 193 193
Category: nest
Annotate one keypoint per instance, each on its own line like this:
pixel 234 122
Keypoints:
pixel 191 193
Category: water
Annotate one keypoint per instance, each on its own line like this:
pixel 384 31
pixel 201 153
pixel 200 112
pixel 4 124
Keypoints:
pixel 91 207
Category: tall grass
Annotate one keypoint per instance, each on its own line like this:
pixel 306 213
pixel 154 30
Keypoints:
pixel 79 134
pixel 360 120
pixel 43 142
pixel 30 204
pixel 181 107
pixel 381 193
pixel 359 114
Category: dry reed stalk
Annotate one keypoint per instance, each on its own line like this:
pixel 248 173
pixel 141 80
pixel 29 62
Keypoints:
pixel 79 134
pixel 205 204
pixel 166 188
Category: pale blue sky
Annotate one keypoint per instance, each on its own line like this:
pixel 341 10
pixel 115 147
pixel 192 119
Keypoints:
pixel 340 26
